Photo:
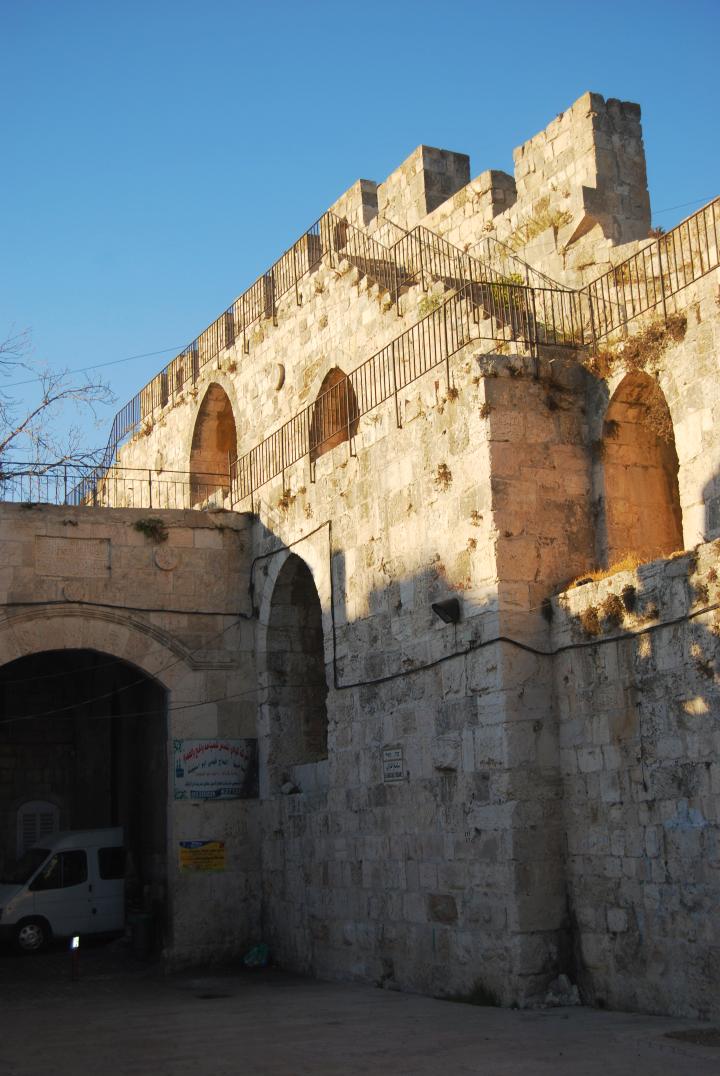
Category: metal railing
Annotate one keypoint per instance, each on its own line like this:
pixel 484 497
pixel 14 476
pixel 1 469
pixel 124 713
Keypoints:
pixel 329 237
pixel 114 487
pixel 560 316
pixel 393 267
pixel 501 313
pixel 505 261
pixel 644 281
pixel 656 273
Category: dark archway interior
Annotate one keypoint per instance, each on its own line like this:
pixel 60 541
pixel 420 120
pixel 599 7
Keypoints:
pixel 335 414
pixel 214 444
pixel 296 665
pixel 86 731
pixel 642 498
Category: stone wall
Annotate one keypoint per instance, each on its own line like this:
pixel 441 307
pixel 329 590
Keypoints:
pixel 424 181
pixel 682 361
pixel 471 823
pixel 638 697
pixel 86 581
pixel 578 200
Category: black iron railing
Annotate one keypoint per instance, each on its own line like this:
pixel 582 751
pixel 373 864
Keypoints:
pixel 497 310
pixel 560 316
pixel 329 237
pixel 501 313
pixel 413 257
pixel 653 276
pixel 113 487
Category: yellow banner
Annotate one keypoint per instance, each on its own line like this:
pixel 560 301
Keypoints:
pixel 202 855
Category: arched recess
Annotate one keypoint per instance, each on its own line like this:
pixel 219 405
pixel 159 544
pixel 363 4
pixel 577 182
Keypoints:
pixel 296 683
pixel 335 415
pixel 84 728
pixel 214 445
pixel 642 499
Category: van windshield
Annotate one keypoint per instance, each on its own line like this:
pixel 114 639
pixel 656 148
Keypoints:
pixel 19 871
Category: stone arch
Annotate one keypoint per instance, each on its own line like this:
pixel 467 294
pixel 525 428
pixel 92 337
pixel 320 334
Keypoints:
pixel 88 729
pixel 150 649
pixel 296 684
pixel 335 416
pixel 213 447
pixel 640 472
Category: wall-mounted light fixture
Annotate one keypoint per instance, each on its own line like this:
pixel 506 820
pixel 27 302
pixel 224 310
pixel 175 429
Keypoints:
pixel 448 610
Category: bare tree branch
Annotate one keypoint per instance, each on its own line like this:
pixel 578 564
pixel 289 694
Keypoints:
pixel 29 427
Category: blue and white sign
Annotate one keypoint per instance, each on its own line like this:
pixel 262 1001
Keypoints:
pixel 215 769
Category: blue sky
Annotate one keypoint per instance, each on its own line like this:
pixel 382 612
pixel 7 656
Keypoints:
pixel 157 156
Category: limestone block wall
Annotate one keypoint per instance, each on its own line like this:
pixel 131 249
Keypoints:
pixel 83 579
pixel 447 863
pixel 682 362
pixel 636 677
pixel 452 875
pixel 342 321
pixel 594 150
pixel 424 181
pixel 359 204
pixel 578 200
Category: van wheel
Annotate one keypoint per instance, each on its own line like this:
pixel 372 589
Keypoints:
pixel 32 935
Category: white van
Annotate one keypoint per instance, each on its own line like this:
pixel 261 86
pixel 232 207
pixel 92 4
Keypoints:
pixel 73 884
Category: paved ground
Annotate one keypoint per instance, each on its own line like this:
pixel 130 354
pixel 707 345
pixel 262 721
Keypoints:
pixel 124 1017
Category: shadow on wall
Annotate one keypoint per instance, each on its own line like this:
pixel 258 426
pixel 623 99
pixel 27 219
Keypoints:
pixel 427 698
pixel 477 729
pixel 639 694
pixel 711 500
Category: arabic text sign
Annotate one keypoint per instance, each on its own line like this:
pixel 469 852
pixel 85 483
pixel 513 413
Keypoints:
pixel 215 769
pixel 202 855
pixel 392 762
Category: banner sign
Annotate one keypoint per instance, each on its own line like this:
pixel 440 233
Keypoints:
pixel 215 769
pixel 202 855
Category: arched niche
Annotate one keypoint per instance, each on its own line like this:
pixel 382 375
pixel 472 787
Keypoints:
pixel 296 682
pixel 335 414
pixel 214 445
pixel 642 499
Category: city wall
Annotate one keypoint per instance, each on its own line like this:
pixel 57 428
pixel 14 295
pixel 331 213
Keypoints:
pixel 137 612
pixel 474 816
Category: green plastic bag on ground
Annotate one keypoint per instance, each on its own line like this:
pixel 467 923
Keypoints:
pixel 257 957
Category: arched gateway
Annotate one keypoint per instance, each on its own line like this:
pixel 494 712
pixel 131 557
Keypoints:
pixel 86 732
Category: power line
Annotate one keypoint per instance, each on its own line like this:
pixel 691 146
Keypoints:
pixel 646 629
pixel 97 366
pixel 125 687
pixel 684 205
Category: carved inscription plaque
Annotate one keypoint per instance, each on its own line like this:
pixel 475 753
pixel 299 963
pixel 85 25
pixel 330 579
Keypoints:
pixel 72 558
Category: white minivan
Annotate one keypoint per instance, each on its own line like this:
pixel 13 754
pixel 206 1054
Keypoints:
pixel 73 884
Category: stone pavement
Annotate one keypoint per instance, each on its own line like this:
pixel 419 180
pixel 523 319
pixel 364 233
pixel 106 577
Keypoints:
pixel 125 1017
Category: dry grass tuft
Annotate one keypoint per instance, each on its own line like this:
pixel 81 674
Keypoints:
pixel 627 563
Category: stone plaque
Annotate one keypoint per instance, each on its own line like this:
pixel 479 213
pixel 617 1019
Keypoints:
pixel 165 559
pixel 393 764
pixel 72 558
